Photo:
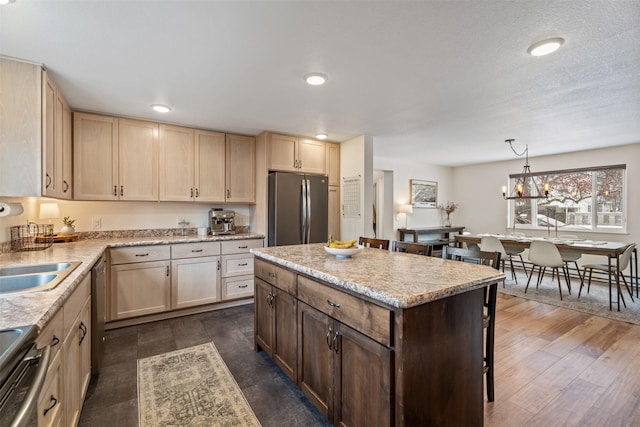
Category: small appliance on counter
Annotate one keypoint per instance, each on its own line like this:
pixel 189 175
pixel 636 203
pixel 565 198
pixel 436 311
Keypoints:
pixel 222 222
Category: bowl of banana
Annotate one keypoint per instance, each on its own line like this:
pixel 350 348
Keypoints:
pixel 342 249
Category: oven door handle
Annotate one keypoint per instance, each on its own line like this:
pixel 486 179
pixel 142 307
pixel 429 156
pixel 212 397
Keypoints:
pixel 31 399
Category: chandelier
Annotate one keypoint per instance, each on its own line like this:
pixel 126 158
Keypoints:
pixel 525 186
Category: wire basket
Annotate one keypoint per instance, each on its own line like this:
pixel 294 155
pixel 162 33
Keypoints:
pixel 31 237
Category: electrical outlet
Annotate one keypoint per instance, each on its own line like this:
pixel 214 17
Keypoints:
pixel 181 221
pixel 96 222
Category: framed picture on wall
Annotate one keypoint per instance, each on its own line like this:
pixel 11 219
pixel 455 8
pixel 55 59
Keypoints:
pixel 424 194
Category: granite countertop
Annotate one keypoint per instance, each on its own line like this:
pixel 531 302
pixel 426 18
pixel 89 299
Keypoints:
pixel 393 278
pixel 36 308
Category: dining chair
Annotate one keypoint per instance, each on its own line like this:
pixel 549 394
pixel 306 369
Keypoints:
pixel 370 242
pixel 493 244
pixel 489 306
pixel 546 255
pixel 412 248
pixel 623 262
pixel 568 257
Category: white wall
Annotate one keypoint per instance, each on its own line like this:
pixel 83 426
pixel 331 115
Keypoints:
pixel 119 215
pixel 356 159
pixel 402 174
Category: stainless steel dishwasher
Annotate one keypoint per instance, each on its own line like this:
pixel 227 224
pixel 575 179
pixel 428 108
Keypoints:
pixel 98 313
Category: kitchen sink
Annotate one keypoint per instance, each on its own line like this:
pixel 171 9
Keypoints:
pixel 33 278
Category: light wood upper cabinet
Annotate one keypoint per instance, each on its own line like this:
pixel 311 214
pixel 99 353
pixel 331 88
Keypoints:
pixel 137 160
pixel 95 150
pixel 56 141
pixel 210 153
pixel 241 169
pixel 176 163
pixel 293 154
pixel 333 163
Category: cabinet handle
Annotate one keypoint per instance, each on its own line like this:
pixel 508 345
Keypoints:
pixel 328 339
pixel 299 164
pixel 83 328
pixel 197 193
pixel 272 274
pixel 122 190
pixel 218 264
pixel 48 181
pixel 243 286
pixel 55 341
pixel 192 193
pixel 147 254
pixel 333 304
pixel 244 264
pixel 269 300
pixel 167 273
pixel 228 193
pixel 334 342
pixel 243 247
pixel 196 250
pixel 66 186
pixel 53 402
pixel 115 190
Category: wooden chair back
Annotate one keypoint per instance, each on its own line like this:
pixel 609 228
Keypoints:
pixel 412 248
pixel 370 242
pixel 472 255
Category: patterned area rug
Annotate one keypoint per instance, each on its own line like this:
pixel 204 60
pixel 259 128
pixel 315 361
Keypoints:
pixel 190 387
pixel 595 302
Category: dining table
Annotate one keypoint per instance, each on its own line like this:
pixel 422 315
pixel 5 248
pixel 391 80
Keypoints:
pixel 610 249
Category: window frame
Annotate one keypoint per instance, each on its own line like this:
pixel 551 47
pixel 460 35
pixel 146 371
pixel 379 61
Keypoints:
pixel 594 228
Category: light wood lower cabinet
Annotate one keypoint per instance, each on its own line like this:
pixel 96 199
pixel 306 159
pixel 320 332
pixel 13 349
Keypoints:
pixel 140 288
pixel 50 412
pixel 77 365
pixel 195 281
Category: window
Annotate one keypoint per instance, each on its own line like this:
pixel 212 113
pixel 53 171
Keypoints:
pixel 589 199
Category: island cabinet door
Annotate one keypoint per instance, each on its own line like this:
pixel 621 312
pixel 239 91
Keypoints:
pixel 263 316
pixel 315 358
pixel 285 309
pixel 362 381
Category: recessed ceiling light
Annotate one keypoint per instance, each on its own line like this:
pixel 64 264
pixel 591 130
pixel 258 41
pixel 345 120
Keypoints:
pixel 545 47
pixel 161 108
pixel 315 79
pixel 3 2
pixel 321 136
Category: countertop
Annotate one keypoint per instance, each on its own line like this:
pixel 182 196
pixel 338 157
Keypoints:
pixel 393 278
pixel 36 308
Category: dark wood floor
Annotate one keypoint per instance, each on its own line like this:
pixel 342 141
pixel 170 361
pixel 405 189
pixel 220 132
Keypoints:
pixel 554 367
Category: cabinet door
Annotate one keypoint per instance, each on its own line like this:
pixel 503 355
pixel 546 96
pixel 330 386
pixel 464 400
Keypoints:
pixel 49 105
pixel 285 344
pixel 137 160
pixel 95 157
pixel 282 153
pixel 195 281
pixel 72 375
pixel 139 289
pixel 311 156
pixel 333 224
pixel 362 381
pixel 315 358
pixel 85 350
pixel 176 163
pixel 333 163
pixel 210 174
pixel 50 412
pixel 263 316
pixel 237 287
pixel 67 153
pixel 241 169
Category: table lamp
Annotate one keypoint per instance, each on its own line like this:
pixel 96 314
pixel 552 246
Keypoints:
pixel 49 211
pixel 404 209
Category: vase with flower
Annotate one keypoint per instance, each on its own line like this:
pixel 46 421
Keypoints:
pixel 68 226
pixel 448 208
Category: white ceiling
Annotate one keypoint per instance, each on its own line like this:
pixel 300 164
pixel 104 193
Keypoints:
pixel 442 81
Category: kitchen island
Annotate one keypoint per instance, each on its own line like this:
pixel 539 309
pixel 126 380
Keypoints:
pixel 381 338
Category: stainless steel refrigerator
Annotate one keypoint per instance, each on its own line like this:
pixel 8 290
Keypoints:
pixel 298 205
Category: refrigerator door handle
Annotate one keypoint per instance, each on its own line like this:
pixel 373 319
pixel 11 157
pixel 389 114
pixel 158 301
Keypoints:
pixel 308 210
pixel 303 224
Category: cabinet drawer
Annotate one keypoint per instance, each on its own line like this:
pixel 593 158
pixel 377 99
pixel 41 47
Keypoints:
pixel 237 265
pixel 74 304
pixel 193 250
pixel 52 334
pixel 240 246
pixel 276 276
pixel 237 287
pixel 50 400
pixel 363 316
pixel 139 254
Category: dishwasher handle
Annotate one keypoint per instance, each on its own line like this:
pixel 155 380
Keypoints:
pixel 31 399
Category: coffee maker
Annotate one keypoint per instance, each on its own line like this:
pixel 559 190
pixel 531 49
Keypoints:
pixel 222 222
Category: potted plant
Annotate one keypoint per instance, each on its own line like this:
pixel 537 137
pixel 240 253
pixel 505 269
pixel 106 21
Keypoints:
pixel 68 225
pixel 448 208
